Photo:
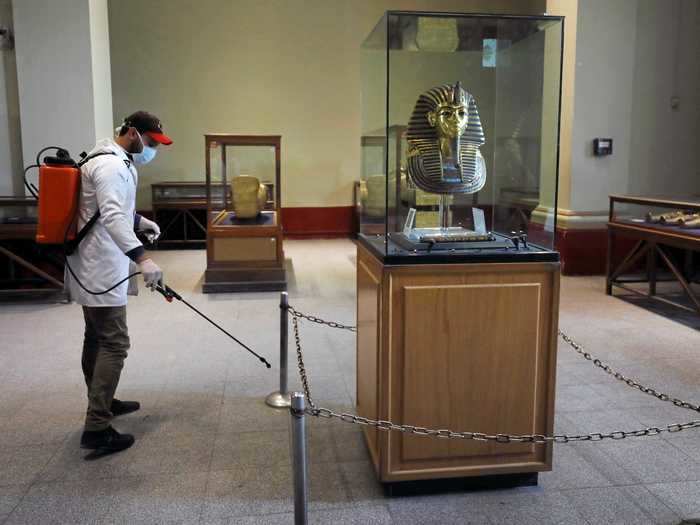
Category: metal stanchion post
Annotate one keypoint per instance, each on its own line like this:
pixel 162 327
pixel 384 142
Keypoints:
pixel 299 460
pixel 280 398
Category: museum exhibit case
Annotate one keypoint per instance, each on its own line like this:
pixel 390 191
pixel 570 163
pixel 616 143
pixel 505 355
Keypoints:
pixel 457 275
pixel 180 207
pixel 244 233
pixel 661 233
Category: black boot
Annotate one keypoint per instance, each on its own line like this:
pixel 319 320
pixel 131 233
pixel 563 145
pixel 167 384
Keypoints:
pixel 106 441
pixel 119 408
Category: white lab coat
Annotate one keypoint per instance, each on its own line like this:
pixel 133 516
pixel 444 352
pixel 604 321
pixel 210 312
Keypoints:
pixel 100 261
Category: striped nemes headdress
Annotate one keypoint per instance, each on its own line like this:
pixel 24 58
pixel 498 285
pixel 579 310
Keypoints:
pixel 425 163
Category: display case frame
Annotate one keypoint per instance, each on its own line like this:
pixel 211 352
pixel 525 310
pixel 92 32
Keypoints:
pixel 180 208
pixel 650 243
pixel 243 254
pixel 538 223
pixel 29 269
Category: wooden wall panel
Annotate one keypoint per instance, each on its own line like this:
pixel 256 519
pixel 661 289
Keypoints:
pixel 369 308
pixel 480 371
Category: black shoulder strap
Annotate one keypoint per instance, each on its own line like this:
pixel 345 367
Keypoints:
pixel 86 158
pixel 71 246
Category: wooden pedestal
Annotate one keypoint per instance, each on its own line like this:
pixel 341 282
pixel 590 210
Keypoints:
pixel 466 347
pixel 245 257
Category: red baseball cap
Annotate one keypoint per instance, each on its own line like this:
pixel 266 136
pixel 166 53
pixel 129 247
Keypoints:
pixel 149 124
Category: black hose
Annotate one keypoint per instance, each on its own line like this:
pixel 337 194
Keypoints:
pixel 30 187
pixel 65 258
pixel 47 148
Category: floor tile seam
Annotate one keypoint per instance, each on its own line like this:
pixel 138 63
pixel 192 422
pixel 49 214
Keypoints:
pixel 620 467
pixel 489 507
pixel 37 477
pixel 127 475
pixel 686 454
pixel 642 509
pixel 678 515
pixel 213 449
pixel 343 477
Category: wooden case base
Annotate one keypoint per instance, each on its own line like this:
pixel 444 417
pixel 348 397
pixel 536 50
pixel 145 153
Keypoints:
pixel 250 280
pixel 245 258
pixel 465 347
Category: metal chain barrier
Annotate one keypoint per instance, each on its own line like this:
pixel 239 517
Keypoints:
pixel 296 314
pixel 315 411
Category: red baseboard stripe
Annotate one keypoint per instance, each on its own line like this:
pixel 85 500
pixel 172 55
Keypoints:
pixel 582 252
pixel 326 222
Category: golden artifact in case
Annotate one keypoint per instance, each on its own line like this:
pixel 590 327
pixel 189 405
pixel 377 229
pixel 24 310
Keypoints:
pixel 457 312
pixel 244 233
pixel 444 136
pixel 248 196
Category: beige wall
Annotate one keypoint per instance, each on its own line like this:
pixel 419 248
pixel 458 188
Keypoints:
pixel 288 67
pixel 665 142
pixel 630 57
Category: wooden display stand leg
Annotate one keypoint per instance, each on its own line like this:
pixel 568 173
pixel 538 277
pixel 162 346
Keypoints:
pixel 465 347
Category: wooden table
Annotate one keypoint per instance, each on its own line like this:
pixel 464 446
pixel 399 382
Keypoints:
pixel 652 240
pixel 14 238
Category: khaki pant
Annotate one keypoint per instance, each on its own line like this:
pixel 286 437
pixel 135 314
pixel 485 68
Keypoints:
pixel 104 350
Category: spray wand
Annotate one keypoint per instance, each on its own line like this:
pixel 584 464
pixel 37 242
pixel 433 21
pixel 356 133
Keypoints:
pixel 171 294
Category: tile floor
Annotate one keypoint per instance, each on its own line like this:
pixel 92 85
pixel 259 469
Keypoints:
pixel 209 451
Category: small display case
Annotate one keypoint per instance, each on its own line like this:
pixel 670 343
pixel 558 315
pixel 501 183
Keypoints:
pixel 244 234
pixel 180 208
pixel 668 216
pixel 663 231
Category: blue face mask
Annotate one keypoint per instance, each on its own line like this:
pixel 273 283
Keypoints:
pixel 146 155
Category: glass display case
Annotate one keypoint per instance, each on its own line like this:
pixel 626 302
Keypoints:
pixel 662 215
pixel 185 192
pixel 460 130
pixel 649 234
pixel 27 269
pixel 244 233
pixel 180 208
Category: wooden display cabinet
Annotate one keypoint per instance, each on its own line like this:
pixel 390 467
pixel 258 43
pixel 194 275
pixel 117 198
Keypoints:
pixel 629 220
pixel 243 254
pixel 466 347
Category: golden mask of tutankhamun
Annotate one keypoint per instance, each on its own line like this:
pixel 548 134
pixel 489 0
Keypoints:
pixel 444 136
pixel 248 196
pixel 684 219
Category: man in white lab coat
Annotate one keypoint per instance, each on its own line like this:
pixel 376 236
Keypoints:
pixel 107 254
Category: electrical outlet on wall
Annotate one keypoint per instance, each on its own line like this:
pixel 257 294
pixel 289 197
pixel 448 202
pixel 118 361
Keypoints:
pixel 675 102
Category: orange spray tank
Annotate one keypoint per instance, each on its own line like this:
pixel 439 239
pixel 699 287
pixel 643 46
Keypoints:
pixel 59 191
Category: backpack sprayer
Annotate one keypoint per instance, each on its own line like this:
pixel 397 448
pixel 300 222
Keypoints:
pixel 58 195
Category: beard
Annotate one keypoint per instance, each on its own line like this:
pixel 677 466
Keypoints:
pixel 135 146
